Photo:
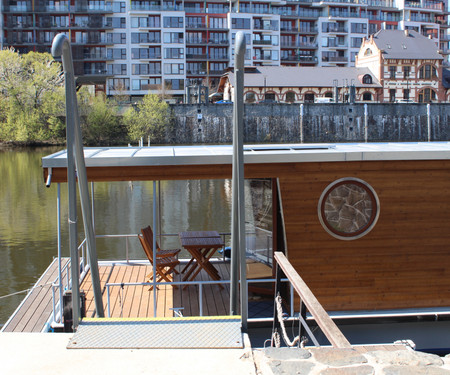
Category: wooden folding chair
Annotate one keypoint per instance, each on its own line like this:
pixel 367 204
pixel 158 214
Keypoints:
pixel 147 232
pixel 164 266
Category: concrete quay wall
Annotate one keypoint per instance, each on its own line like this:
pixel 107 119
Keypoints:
pixel 311 123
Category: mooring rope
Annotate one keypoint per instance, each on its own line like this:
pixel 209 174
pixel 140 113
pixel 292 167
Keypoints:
pixel 286 339
pixel 25 290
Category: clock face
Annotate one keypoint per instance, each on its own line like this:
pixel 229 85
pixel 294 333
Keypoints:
pixel 348 208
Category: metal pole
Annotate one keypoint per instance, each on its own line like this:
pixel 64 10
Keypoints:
pixel 238 254
pixel 61 47
pixel 58 210
pixel 429 121
pixel 155 231
pixel 93 205
pixel 366 135
pixel 301 123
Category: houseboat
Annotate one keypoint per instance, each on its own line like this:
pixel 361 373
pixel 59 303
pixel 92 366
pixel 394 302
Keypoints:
pixel 364 225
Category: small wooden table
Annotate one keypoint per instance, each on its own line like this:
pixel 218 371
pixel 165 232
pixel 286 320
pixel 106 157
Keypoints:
pixel 201 245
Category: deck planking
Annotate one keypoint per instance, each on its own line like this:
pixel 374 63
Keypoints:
pixel 137 301
pixel 36 309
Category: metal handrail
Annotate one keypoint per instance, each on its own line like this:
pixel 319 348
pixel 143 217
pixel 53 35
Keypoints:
pixel 200 292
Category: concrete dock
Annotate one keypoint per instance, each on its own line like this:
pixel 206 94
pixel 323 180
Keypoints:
pixel 43 353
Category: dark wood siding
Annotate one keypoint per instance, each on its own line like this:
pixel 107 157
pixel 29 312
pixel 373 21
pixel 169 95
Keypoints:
pixel 402 263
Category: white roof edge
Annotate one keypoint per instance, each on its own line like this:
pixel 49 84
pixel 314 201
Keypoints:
pixel 254 154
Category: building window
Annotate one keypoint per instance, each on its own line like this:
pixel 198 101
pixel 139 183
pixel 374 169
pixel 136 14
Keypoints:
pixel 270 97
pixel 309 98
pixel 427 72
pixel 146 69
pixel 173 37
pixel 405 93
pixel 119 84
pixel 367 79
pixel 427 95
pixel 116 38
pixel 406 72
pixel 146 53
pixel 392 95
pixel 117 69
pixel 368 52
pixel 173 53
pixel 173 68
pixel 290 97
pixel 240 23
pixel 146 84
pixel 116 53
pixel 250 97
pixel 174 84
pixel 348 208
pixel 392 71
pixel 149 37
pixel 173 22
pixel 367 97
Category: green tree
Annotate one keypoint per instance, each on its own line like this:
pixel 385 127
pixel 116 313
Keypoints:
pixel 31 96
pixel 150 117
pixel 99 121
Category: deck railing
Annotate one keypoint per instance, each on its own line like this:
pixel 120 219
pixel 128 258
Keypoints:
pixel 200 285
pixel 59 284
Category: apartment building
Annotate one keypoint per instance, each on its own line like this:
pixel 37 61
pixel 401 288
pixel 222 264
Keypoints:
pixel 133 47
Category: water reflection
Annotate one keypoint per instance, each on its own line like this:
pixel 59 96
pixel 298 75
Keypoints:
pixel 28 224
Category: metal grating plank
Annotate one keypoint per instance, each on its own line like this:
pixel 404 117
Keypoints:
pixel 195 333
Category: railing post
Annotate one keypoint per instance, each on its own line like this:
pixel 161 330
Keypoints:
pixel 53 303
pixel 200 298
pixel 276 323
pixel 108 301
pixel 126 249
pixel 302 313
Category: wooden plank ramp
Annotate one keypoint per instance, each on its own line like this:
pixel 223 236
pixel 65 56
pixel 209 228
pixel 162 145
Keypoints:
pixel 35 310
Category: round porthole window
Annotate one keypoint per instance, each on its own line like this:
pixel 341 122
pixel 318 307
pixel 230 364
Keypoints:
pixel 348 208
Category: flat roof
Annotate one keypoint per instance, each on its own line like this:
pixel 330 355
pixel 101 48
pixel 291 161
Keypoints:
pixel 253 154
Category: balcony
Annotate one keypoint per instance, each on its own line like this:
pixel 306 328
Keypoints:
pixel 308 30
pixel 309 14
pixel 223 42
pixel 218 57
pixel 196 40
pixel 381 3
pixel 262 42
pixel 289 29
pixel 192 56
pixel 259 26
pixel 95 41
pixel 335 30
pixel 195 25
pixel 298 45
pixel 338 59
pixel 20 26
pixel 96 72
pixel 196 72
pixel 216 72
pixel 299 59
pixel 92 56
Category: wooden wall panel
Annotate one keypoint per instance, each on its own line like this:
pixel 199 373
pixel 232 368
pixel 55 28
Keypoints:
pixel 403 262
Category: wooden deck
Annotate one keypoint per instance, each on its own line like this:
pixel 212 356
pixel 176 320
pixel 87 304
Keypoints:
pixel 137 301
pixel 36 309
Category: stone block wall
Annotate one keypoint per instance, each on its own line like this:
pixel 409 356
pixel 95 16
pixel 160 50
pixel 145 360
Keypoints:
pixel 320 123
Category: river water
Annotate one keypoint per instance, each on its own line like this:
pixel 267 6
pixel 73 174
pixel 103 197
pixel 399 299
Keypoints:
pixel 28 218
